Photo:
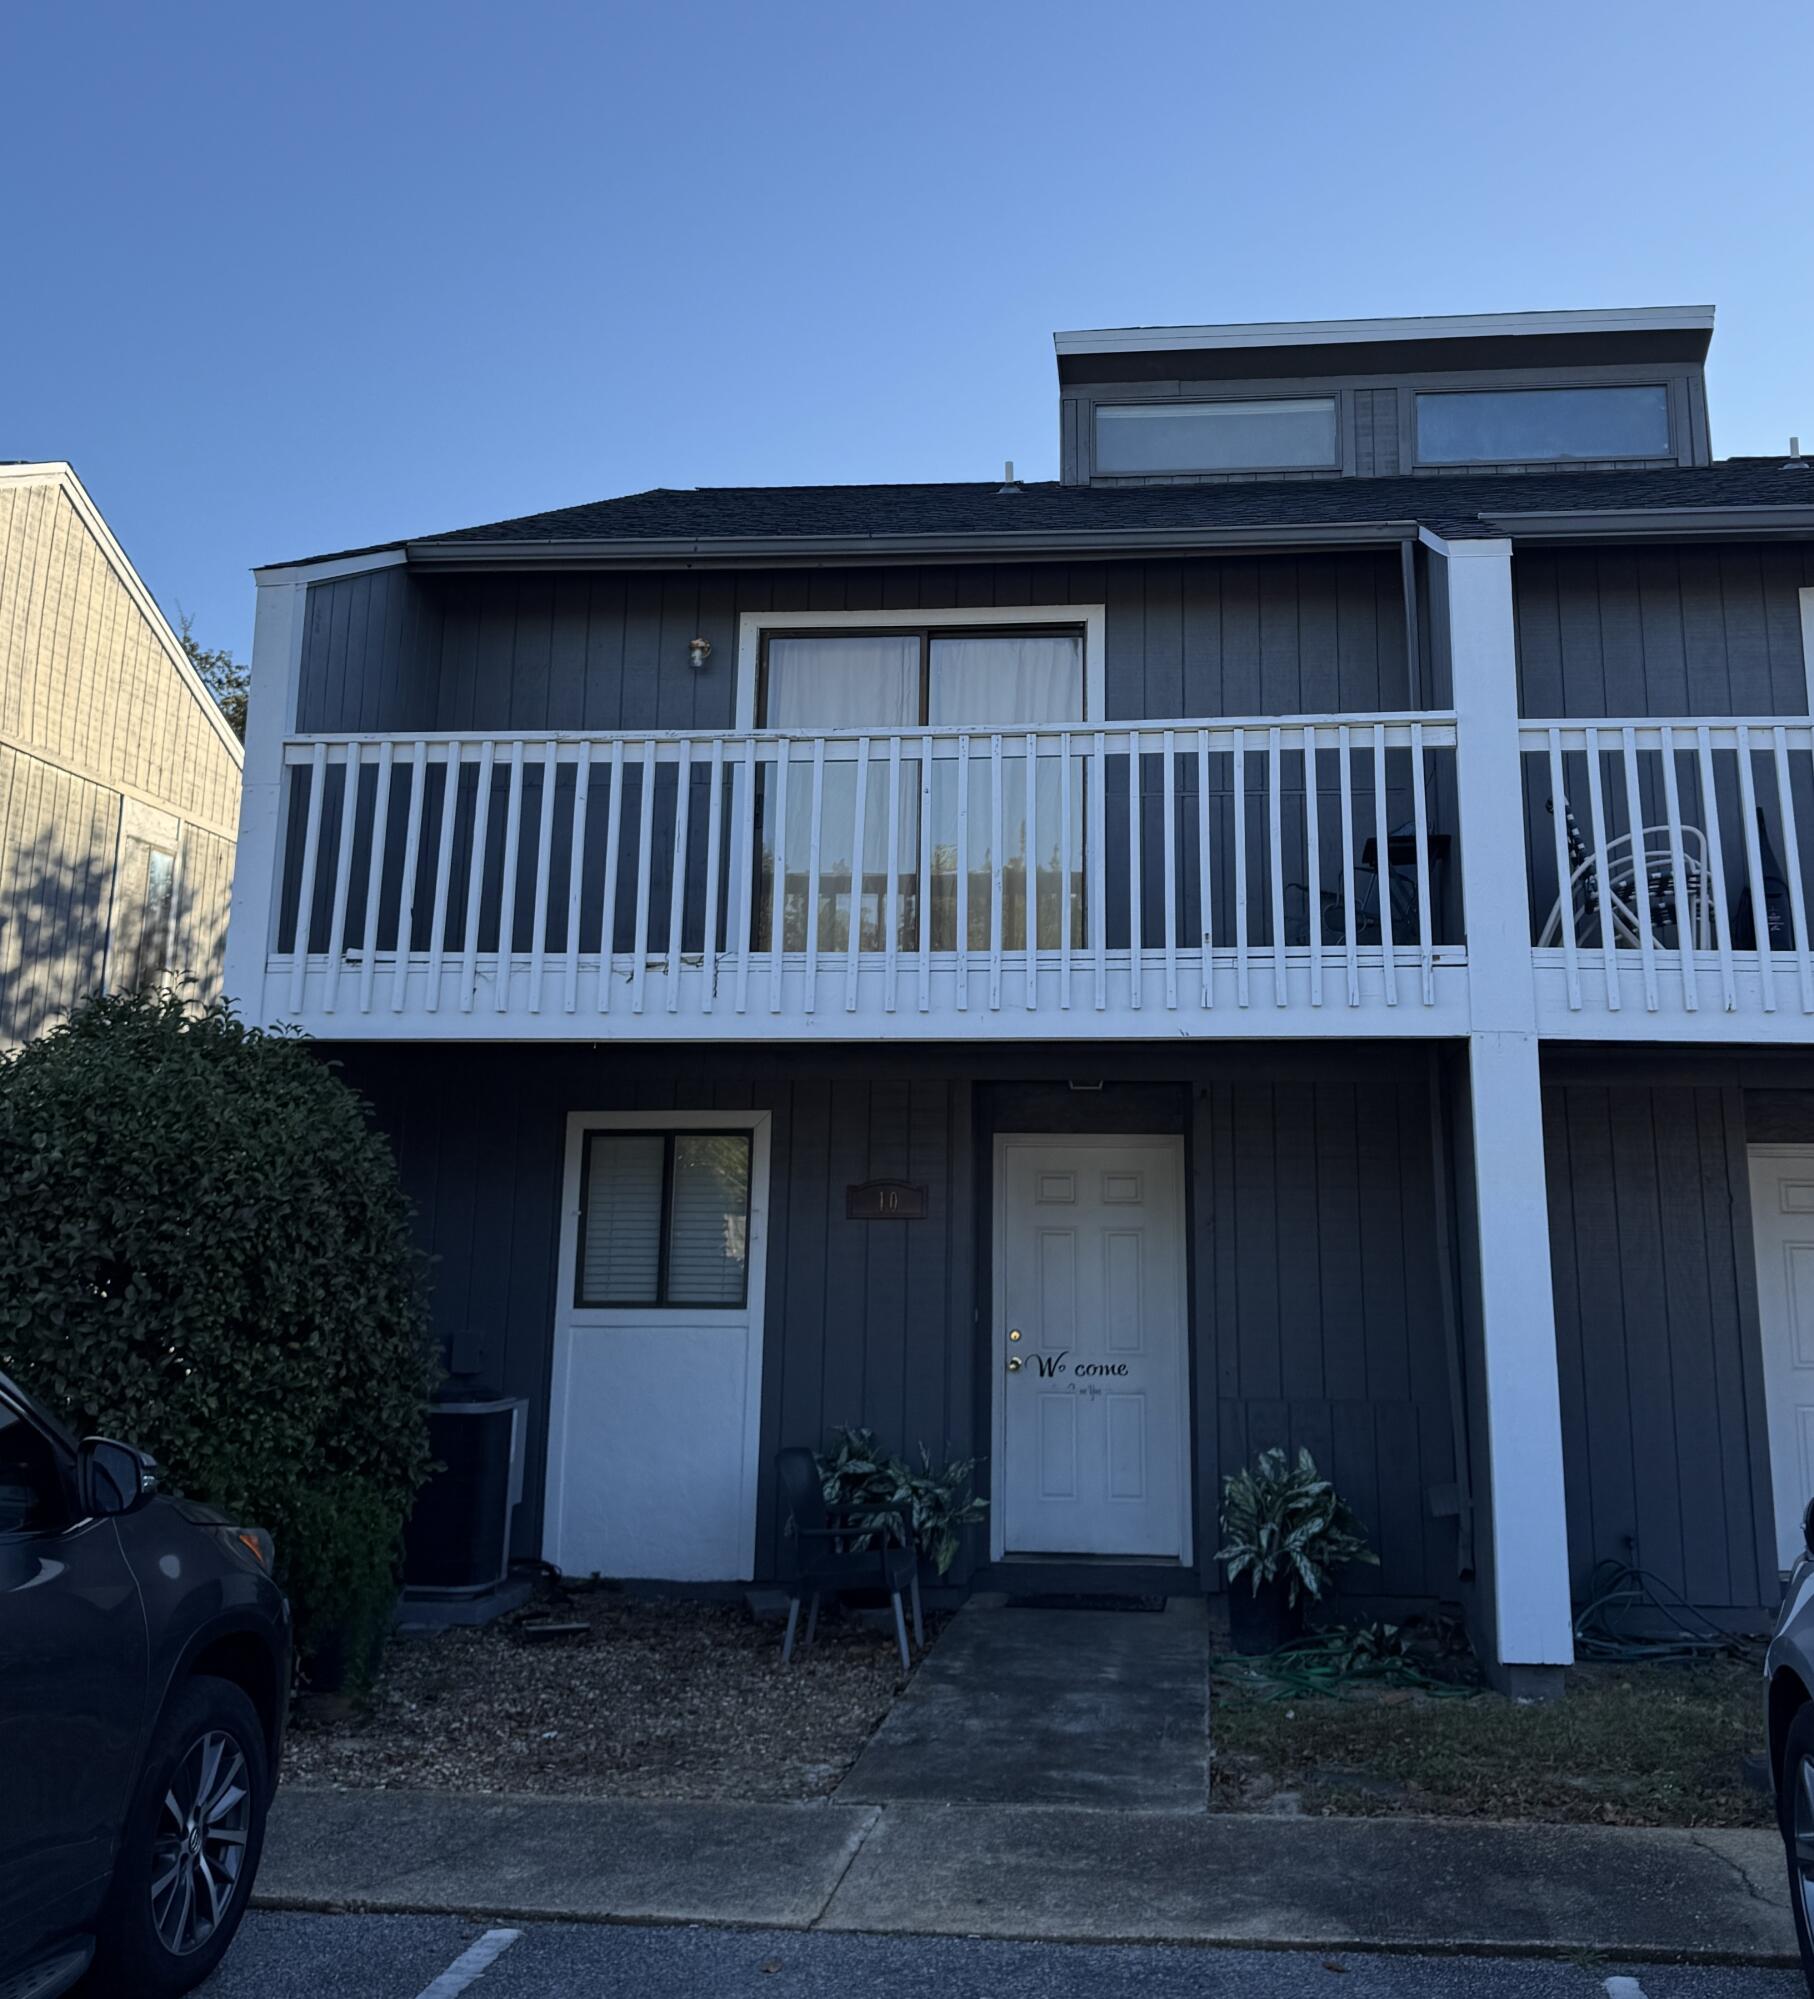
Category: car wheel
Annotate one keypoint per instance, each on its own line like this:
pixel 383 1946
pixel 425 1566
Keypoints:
pixel 190 1846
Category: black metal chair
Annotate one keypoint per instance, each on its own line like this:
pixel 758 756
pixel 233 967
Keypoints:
pixel 832 1554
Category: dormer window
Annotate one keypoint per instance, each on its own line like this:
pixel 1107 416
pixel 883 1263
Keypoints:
pixel 1525 426
pixel 1281 434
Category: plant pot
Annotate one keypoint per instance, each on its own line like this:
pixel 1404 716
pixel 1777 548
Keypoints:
pixel 1261 1621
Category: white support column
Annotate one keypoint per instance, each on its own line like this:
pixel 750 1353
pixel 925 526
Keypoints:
pixel 270 717
pixel 1527 1520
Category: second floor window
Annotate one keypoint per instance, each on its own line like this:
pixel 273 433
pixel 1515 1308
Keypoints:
pixel 1294 433
pixel 1025 677
pixel 1519 426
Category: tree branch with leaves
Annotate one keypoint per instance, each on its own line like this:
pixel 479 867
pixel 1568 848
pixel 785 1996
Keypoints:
pixel 225 677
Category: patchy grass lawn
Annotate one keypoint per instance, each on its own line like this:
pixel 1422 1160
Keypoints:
pixel 1638 1745
pixel 660 1700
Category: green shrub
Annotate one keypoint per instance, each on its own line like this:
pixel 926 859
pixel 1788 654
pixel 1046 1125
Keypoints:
pixel 205 1250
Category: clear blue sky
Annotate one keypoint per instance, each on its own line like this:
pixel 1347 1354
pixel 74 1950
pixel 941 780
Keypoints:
pixel 287 279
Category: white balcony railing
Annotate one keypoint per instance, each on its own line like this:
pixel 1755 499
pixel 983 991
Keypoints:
pixel 1264 877
pixel 1669 881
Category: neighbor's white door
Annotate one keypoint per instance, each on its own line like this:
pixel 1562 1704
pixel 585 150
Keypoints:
pixel 1089 1347
pixel 1782 1221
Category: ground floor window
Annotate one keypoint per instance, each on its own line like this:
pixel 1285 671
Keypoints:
pixel 664 1219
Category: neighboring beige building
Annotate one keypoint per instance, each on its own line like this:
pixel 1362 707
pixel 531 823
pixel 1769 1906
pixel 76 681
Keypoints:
pixel 119 777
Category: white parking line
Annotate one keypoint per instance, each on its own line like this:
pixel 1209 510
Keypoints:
pixel 470 1964
pixel 1624 1988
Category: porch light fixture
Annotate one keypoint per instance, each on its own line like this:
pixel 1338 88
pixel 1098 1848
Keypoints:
pixel 698 652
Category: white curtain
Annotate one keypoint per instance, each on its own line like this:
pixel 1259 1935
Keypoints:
pixel 844 682
pixel 850 681
pixel 990 682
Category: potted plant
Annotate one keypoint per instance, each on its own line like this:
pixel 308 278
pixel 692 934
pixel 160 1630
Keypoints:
pixel 876 1492
pixel 1286 1529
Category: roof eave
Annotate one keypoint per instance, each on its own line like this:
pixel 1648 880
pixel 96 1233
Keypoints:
pixel 1743 523
pixel 793 551
pixel 1342 332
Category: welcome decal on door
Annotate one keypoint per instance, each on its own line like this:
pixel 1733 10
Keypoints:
pixel 1052 1364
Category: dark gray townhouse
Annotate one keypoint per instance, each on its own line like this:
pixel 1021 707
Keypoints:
pixel 1294 932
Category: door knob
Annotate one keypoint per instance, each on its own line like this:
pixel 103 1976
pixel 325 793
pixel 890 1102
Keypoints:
pixel 1014 1363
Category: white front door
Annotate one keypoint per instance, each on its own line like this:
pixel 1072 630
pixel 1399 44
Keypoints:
pixel 1089 1348
pixel 1782 1221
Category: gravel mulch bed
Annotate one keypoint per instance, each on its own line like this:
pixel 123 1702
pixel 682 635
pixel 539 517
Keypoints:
pixel 662 1700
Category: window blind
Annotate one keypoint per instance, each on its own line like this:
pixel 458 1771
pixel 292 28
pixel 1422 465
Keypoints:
pixel 708 1226
pixel 620 1255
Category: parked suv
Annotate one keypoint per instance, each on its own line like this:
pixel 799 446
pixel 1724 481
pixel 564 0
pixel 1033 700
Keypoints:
pixel 144 1678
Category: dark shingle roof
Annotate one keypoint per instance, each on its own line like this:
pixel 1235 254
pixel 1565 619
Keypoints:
pixel 1450 504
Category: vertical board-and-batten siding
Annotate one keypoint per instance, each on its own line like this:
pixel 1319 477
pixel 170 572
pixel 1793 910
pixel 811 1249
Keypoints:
pixel 886 1324
pixel 1666 1454
pixel 92 710
pixel 1327 1307
pixel 1283 635
pixel 58 838
pixel 1712 630
pixel 1375 432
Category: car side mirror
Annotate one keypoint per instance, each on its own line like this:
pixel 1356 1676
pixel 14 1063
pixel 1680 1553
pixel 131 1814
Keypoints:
pixel 1807 1527
pixel 114 1478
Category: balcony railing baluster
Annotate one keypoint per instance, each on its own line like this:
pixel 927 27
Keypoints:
pixel 513 834
pixel 1785 794
pixel 343 875
pixel 374 876
pixel 1032 884
pixel 677 886
pixel 614 819
pixel 853 964
pixel 475 869
pixel 576 874
pixel 406 900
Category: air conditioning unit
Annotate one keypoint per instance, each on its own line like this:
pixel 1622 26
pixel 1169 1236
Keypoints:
pixel 458 1541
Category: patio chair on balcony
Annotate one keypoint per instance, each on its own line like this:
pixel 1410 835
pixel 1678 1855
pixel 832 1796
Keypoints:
pixel 1648 857
pixel 835 1554
pixel 1398 883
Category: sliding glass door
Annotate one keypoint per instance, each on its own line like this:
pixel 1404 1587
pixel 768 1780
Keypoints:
pixel 972 685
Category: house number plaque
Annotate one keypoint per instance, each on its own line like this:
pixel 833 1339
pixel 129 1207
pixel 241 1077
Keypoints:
pixel 885 1201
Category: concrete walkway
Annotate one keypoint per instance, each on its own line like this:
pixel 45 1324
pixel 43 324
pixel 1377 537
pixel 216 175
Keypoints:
pixel 1045 1776
pixel 1051 1873
pixel 1050 1707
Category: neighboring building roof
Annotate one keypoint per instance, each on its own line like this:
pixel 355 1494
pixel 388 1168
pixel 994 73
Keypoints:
pixel 59 472
pixel 1470 504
